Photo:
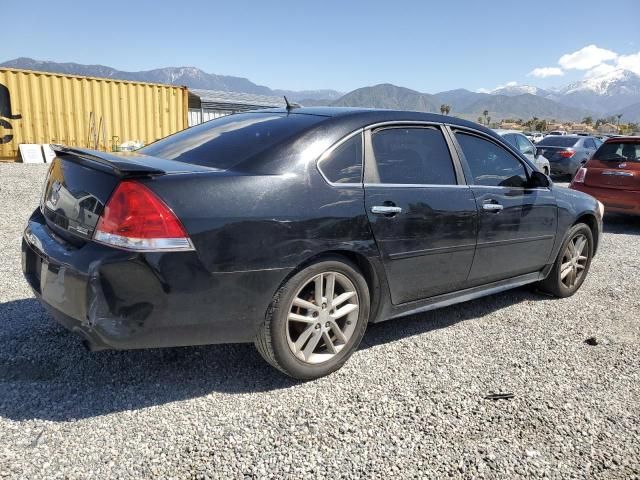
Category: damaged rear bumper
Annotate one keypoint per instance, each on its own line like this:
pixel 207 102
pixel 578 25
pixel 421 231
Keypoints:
pixel 123 300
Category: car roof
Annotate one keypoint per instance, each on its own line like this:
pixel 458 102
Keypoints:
pixel 500 131
pixel 629 138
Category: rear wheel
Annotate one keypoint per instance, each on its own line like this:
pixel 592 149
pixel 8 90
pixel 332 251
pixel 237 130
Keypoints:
pixel 572 264
pixel 316 320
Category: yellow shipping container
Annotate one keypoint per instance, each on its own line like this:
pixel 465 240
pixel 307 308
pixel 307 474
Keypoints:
pixel 39 107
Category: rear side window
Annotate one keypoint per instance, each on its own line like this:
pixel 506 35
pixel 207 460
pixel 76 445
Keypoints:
pixel 558 141
pixel 589 143
pixel 490 164
pixel 228 141
pixel 412 156
pixel 344 164
pixel 619 151
pixel 524 145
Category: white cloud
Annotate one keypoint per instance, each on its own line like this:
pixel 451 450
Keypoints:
pixel 483 90
pixel 600 70
pixel 544 72
pixel 629 62
pixel 510 84
pixel 586 58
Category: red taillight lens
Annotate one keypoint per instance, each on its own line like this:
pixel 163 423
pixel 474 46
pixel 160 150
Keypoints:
pixel 136 219
pixel 579 177
pixel 567 154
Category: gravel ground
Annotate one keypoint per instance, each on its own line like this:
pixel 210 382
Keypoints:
pixel 410 402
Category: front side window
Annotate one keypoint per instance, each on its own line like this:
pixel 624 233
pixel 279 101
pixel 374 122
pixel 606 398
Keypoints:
pixel 490 164
pixel 412 155
pixel 344 164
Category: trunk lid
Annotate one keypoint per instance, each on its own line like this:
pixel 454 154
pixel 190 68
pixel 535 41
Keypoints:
pixel 624 175
pixel 616 165
pixel 80 182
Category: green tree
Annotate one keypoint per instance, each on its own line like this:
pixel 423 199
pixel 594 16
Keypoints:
pixel 486 116
pixel 447 109
pixel 588 120
pixel 480 120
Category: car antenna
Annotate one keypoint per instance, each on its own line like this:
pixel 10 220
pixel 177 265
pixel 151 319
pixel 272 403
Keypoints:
pixel 290 105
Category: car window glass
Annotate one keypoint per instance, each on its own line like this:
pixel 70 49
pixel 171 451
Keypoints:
pixel 589 143
pixel 490 164
pixel 344 164
pixel 524 145
pixel 558 141
pixel 619 151
pixel 413 156
pixel 511 139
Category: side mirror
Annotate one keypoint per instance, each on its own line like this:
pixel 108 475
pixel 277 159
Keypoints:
pixel 539 180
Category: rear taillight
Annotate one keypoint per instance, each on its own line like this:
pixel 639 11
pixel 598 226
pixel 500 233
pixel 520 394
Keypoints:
pixel 579 177
pixel 567 153
pixel 135 218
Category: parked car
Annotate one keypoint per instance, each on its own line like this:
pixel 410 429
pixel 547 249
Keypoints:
pixel 523 144
pixel 557 132
pixel 566 153
pixel 613 175
pixel 536 137
pixel 295 228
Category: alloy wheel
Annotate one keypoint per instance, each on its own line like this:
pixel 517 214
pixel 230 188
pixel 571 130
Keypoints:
pixel 574 261
pixel 322 317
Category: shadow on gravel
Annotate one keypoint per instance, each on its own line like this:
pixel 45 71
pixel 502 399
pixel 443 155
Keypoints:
pixel 621 224
pixel 45 372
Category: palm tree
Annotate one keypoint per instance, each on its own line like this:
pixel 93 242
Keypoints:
pixel 488 121
pixel 447 109
pixel 480 120
pixel 486 115
pixel 619 116
pixel 443 108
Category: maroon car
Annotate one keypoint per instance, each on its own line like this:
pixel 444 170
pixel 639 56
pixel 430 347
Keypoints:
pixel 613 175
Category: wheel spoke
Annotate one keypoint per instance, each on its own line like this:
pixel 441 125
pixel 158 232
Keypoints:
pixel 299 302
pixel 328 342
pixel 571 248
pixel 582 258
pixel 565 269
pixel 341 312
pixel 301 318
pixel 331 284
pixel 312 344
pixel 580 244
pixel 343 297
pixel 319 281
pixel 335 328
pixel 304 336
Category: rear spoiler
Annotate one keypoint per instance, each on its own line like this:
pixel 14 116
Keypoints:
pixel 121 166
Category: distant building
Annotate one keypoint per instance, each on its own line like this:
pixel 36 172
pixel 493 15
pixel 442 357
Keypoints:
pixel 580 128
pixel 206 105
pixel 608 128
pixel 510 126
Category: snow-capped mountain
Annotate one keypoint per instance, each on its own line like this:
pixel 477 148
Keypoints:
pixel 513 90
pixel 603 93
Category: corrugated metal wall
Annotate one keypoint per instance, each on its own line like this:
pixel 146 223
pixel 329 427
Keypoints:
pixel 38 107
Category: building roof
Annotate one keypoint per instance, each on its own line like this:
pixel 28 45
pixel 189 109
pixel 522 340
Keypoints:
pixel 217 97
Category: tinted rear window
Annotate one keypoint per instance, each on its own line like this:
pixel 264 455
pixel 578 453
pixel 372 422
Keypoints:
pixel 619 151
pixel 231 140
pixel 558 141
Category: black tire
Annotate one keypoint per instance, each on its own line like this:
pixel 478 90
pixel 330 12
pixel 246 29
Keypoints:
pixel 553 284
pixel 272 337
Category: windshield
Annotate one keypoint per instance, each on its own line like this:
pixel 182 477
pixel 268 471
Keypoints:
pixel 619 151
pixel 558 141
pixel 228 141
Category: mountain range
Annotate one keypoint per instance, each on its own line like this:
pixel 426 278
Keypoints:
pixel 616 92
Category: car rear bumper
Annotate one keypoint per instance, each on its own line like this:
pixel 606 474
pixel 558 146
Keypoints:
pixel 122 300
pixel 562 167
pixel 614 200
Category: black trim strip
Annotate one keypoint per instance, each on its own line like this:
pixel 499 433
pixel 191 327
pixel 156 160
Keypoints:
pixel 515 240
pixel 432 251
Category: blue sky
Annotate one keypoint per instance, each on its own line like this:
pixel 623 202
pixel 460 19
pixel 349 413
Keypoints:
pixel 424 45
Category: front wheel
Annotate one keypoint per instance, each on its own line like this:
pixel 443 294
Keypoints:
pixel 316 320
pixel 572 264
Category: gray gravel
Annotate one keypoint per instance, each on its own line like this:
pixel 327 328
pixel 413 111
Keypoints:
pixel 410 402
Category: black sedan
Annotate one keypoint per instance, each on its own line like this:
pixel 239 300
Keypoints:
pixel 295 228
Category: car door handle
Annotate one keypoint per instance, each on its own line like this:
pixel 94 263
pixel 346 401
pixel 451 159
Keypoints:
pixel 492 207
pixel 385 210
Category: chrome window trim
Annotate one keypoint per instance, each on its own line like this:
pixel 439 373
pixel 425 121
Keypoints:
pixel 324 155
pixel 414 185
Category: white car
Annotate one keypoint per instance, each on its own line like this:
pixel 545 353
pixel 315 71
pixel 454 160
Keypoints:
pixel 517 140
pixel 536 137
